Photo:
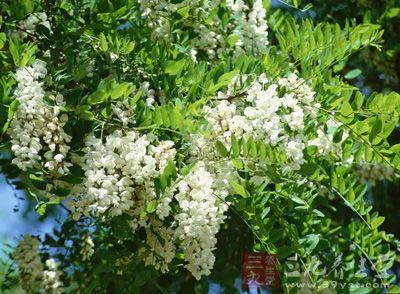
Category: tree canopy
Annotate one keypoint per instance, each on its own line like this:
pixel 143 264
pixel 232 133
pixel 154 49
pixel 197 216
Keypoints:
pixel 178 135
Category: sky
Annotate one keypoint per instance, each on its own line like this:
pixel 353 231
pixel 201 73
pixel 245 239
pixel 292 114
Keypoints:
pixel 13 225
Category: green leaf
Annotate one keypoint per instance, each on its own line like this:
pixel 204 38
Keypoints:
pixel 265 212
pixel 184 11
pixel 41 207
pixel 37 182
pixel 346 112
pixel 311 241
pixel 97 97
pixel 284 251
pixel 168 174
pixel 103 43
pixel 298 200
pixel 307 7
pixel 3 39
pixel 238 188
pixel 151 206
pixel 352 74
pixel 369 154
pixel 318 213
pixel 232 39
pixel 237 163
pixel 165 117
pixel 135 98
pixel 228 76
pixel 157 118
pixel 173 68
pixel 14 50
pixel 376 134
pixel 119 90
pixel 221 149
pixel 262 150
pixel 309 169
pixel 5 126
pixel 252 147
pixel 377 222
pixel 394 289
pixel 86 115
pixel 12 108
pixel 72 179
pixel 392 12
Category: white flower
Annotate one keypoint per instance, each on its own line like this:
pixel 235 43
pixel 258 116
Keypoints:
pixel 202 207
pixel 160 253
pixel 324 142
pixel 37 127
pixel 252 29
pixel 33 273
pixel 294 151
pixel 373 172
pixel 123 112
pixel 51 278
pixel 29 24
pixel 120 173
pixel 87 248
pixel 265 116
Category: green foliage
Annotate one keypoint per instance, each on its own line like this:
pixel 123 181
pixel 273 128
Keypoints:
pixel 320 210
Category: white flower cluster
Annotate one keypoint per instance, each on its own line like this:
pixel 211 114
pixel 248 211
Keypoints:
pixel 207 40
pixel 87 248
pixel 252 29
pixel 33 273
pixel 323 142
pixel 200 214
pixel 247 27
pixel 36 129
pixel 200 198
pixel 273 113
pixel 123 112
pixel 122 262
pixel 120 173
pixel 51 278
pixel 149 93
pixel 28 25
pixel 160 240
pixel 29 263
pixel 373 172
pixel 156 12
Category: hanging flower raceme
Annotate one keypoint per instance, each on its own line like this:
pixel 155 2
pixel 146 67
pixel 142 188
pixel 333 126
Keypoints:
pixel 29 263
pixel 37 129
pixel 201 212
pixel 33 274
pixel 120 172
pixel 275 113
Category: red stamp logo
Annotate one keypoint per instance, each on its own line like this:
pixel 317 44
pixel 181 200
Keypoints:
pixel 259 270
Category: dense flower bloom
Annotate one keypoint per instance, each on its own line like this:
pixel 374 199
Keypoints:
pixel 29 263
pixel 37 130
pixel 274 118
pixel 200 216
pixel 160 240
pixel 51 278
pixel 373 172
pixel 87 248
pixel 252 28
pixel 28 25
pixel 120 173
